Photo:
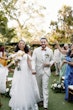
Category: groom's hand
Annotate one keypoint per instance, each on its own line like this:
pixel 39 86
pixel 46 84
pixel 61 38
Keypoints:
pixel 46 65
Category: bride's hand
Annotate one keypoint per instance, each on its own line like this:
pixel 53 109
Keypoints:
pixel 33 72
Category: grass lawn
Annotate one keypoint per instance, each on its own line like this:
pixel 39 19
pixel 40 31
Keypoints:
pixel 56 100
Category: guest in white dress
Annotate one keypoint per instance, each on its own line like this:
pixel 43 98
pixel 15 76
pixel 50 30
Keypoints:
pixel 3 76
pixel 3 72
pixel 23 93
pixel 57 58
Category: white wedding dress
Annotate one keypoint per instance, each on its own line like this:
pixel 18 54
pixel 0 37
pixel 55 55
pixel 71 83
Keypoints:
pixel 24 92
pixel 3 77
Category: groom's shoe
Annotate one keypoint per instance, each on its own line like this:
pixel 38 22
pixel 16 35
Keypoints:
pixel 40 104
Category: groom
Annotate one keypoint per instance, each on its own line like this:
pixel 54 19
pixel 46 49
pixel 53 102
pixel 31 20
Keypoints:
pixel 41 63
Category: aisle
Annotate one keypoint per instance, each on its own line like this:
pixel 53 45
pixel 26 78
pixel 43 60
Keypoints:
pixel 56 100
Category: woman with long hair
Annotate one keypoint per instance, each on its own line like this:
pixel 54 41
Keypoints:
pixel 23 96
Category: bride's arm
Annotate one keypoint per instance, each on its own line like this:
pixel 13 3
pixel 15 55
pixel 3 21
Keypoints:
pixel 10 64
pixel 29 64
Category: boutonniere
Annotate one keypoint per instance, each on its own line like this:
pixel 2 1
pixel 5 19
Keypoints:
pixel 47 55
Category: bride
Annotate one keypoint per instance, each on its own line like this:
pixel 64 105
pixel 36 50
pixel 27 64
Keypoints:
pixel 24 94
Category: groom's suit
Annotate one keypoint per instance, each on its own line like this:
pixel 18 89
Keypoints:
pixel 40 57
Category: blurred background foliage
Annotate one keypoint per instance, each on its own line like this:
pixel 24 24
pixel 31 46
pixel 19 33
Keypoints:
pixel 61 30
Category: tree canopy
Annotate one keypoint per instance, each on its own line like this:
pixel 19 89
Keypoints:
pixel 29 17
pixel 62 29
pixel 6 34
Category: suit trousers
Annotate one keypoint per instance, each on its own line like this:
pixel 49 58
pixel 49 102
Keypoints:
pixel 42 81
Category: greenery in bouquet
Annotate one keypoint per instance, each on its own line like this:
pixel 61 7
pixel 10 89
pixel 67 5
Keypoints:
pixel 12 65
pixel 18 66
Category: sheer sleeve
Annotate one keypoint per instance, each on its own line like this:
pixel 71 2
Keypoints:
pixel 30 58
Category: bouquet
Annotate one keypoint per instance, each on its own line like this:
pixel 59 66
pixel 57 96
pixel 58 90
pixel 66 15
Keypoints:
pixel 15 59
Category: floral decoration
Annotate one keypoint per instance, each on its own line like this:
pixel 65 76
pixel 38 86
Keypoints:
pixel 58 87
pixel 15 59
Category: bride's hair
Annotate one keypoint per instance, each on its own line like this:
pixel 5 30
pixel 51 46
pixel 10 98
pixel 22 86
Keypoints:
pixel 26 48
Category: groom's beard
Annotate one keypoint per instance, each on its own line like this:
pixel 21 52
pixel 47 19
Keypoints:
pixel 43 46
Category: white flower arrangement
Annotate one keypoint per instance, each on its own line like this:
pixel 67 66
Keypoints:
pixel 15 59
pixel 58 87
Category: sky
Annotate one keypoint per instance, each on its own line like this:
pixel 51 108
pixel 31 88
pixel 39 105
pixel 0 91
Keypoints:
pixel 52 7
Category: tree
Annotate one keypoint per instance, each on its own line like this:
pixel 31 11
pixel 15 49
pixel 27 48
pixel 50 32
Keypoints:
pixel 19 9
pixel 64 25
pixel 6 33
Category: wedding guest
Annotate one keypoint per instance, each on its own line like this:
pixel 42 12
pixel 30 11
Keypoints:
pixel 41 64
pixel 3 72
pixel 1 50
pixel 23 93
pixel 3 77
pixel 57 58
pixel 69 72
pixel 66 46
pixel 69 68
pixel 3 57
pixel 62 67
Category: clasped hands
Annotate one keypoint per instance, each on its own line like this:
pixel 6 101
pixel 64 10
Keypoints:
pixel 44 65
